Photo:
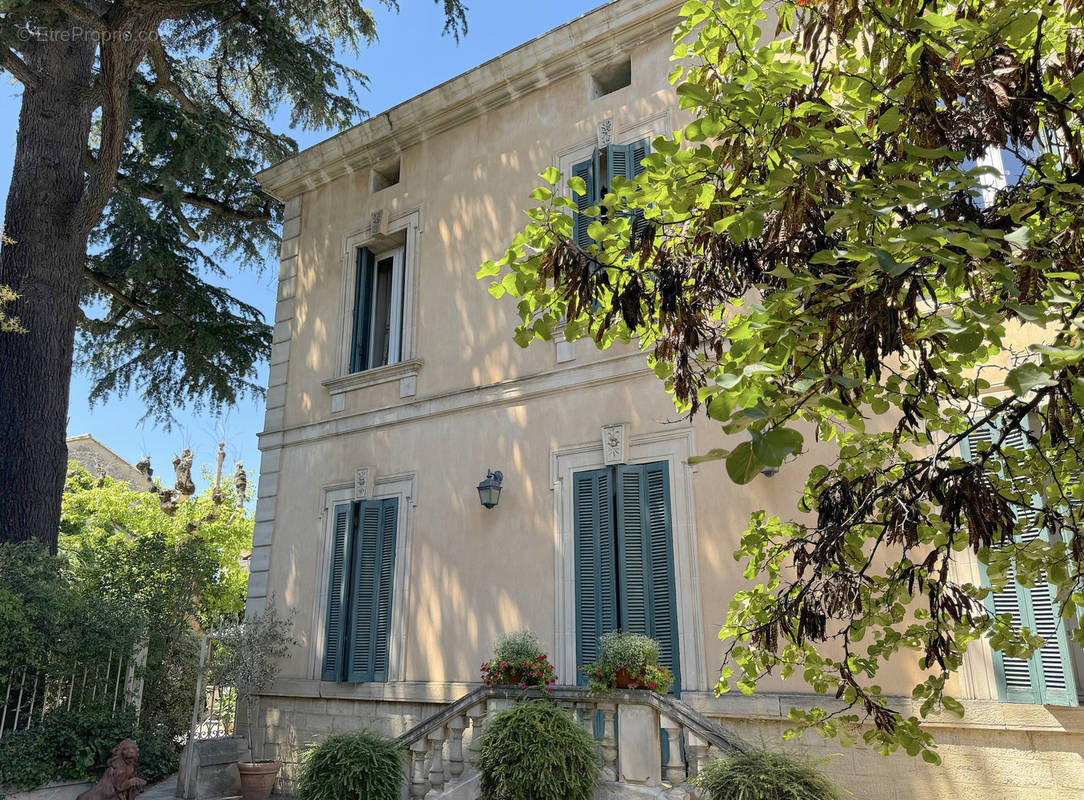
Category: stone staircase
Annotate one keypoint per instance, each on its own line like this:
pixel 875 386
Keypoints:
pixel 635 725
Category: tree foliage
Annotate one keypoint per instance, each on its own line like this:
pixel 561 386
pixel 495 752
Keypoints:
pixel 184 93
pixel 819 254
pixel 182 570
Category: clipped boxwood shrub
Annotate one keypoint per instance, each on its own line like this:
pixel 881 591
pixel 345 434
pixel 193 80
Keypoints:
pixel 534 751
pixel 766 775
pixel 352 766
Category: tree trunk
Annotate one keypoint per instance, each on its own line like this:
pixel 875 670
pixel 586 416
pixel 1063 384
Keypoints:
pixel 45 267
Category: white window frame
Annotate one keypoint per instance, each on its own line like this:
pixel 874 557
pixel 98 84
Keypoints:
pixel 395 313
pixel 400 487
pixel 401 234
pixel 675 448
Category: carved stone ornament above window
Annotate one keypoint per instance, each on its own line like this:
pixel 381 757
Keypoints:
pixel 605 133
pixel 614 438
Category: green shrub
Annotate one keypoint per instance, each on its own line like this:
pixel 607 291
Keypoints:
pixel 75 745
pixel 766 775
pixel 535 751
pixel 352 766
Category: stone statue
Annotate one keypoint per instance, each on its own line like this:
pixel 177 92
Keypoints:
pixel 119 781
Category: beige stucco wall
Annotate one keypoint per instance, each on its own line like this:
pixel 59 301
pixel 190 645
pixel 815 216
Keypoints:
pixel 480 402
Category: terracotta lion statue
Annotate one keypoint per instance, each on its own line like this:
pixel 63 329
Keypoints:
pixel 119 782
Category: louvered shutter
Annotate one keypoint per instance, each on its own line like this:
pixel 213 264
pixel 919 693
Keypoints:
pixel 1046 677
pixel 645 557
pixel 596 588
pixel 588 170
pixel 626 161
pixel 337 592
pixel 363 295
pixel 370 607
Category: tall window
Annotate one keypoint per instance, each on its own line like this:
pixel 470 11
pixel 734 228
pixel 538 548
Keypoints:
pixel 598 172
pixel 1047 676
pixel 378 310
pixel 360 591
pixel 625 559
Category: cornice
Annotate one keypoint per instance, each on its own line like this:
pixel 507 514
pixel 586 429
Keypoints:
pixel 570 48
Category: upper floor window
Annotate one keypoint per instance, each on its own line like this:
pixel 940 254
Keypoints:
pixel 598 172
pixel 377 337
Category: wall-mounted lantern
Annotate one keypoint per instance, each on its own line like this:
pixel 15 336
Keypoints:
pixel 489 490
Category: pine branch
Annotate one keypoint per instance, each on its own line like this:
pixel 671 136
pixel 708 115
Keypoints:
pixel 19 69
pixel 164 77
pixel 149 191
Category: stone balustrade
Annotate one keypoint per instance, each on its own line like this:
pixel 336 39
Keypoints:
pixel 645 740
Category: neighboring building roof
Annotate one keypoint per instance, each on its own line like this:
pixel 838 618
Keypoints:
pixel 99 460
pixel 588 41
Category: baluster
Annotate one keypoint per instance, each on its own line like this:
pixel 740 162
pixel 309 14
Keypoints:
pixel 675 767
pixel 609 742
pixel 455 746
pixel 586 717
pixel 436 760
pixel 419 776
pixel 698 750
pixel 477 716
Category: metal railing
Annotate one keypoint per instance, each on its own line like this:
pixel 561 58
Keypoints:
pixel 30 694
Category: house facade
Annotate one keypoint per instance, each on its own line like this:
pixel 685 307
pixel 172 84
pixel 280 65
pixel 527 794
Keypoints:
pixel 395 388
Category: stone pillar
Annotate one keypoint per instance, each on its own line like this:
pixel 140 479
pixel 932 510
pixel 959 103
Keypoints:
pixel 638 745
pixel 419 777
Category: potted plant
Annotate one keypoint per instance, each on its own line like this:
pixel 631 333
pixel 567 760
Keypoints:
pixel 627 661
pixel 518 660
pixel 247 659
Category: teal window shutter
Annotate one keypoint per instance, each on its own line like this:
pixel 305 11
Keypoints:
pixel 595 558
pixel 626 161
pixel 589 171
pixel 645 557
pixel 363 300
pixel 370 608
pixel 343 521
pixel 1047 676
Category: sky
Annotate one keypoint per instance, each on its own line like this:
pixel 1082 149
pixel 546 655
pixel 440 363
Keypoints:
pixel 410 57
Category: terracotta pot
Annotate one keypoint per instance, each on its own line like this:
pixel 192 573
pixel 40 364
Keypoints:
pixel 258 778
pixel 625 679
pixel 514 677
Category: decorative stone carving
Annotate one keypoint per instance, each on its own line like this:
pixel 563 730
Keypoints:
pixel 605 133
pixel 119 781
pixel 376 218
pixel 614 443
pixel 361 483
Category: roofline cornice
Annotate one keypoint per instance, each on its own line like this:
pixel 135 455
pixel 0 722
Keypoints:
pixel 573 47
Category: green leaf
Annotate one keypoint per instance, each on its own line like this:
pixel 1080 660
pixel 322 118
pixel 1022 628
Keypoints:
pixel 889 121
pixel 550 175
pixel 774 446
pixel 1027 377
pixel 715 454
pixel 1021 237
pixel 742 465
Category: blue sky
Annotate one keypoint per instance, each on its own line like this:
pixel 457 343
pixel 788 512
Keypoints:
pixel 410 57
